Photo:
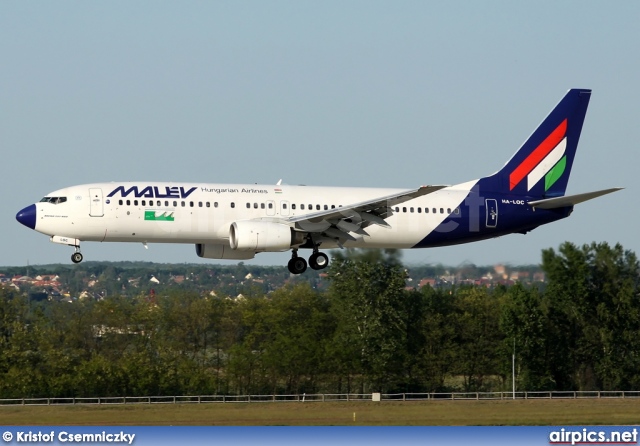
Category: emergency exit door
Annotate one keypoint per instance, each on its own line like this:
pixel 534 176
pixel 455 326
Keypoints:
pixel 96 206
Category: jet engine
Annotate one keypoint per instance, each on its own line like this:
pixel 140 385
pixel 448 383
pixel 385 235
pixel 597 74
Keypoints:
pixel 260 236
pixel 211 251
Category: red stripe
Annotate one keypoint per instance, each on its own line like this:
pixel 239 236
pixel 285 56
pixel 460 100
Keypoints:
pixel 537 155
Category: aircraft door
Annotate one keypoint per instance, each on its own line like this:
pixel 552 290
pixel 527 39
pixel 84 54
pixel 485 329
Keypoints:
pixel 271 207
pixel 492 212
pixel 96 206
pixel 284 207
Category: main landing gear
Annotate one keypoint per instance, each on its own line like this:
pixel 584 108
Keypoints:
pixel 318 260
pixel 297 265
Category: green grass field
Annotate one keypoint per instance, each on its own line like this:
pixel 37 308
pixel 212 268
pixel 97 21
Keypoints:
pixel 519 412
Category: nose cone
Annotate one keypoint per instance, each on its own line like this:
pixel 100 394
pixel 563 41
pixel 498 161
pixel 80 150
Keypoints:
pixel 27 216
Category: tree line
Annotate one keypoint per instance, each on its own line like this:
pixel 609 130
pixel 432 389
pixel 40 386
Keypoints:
pixel 366 332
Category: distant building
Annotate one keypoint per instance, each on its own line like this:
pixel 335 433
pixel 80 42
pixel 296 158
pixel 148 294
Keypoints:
pixel 425 282
pixel 21 279
pixel 177 279
pixel 539 276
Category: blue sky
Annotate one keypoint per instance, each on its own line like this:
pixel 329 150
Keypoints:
pixel 347 93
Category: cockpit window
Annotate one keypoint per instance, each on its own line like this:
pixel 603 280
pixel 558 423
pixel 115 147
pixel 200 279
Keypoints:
pixel 53 200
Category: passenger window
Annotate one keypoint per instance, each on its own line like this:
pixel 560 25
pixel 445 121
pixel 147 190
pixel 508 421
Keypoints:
pixel 120 202
pixel 284 205
pixel 302 207
pixel 175 204
pixel 261 205
pixel 183 204
pixel 326 207
pixel 215 204
pixel 191 204
pixel 435 211
pixel 158 203
pixel 404 209
pixel 397 209
pixel 233 205
pixel 426 210
pixel 270 205
pixel 448 210
pixel 317 207
pixel 144 202
pixel 441 211
pixel 333 206
pixel 248 205
pixel 419 210
pixel 199 204
pixel 208 204
pixel 456 211
pixel 128 202
pixel 166 203
pixel 411 210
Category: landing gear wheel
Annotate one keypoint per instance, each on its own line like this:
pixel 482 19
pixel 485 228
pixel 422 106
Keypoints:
pixel 297 265
pixel 318 260
pixel 76 257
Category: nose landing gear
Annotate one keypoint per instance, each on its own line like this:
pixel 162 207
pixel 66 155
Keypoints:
pixel 76 257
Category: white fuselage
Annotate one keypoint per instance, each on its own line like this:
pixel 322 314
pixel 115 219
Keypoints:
pixel 203 213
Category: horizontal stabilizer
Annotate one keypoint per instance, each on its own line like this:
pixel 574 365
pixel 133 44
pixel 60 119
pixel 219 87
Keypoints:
pixel 570 200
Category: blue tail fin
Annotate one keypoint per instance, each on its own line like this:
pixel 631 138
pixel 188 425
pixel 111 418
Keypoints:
pixel 541 167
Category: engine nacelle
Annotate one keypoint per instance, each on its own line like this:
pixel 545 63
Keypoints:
pixel 260 236
pixel 210 251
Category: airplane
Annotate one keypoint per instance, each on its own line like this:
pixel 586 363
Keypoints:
pixel 237 221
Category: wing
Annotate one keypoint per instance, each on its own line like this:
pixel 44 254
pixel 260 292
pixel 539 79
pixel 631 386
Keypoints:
pixel 340 223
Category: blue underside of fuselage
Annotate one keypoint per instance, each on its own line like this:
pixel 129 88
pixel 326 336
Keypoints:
pixel 475 225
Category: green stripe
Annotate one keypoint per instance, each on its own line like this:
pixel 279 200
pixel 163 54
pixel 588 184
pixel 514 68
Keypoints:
pixel 151 215
pixel 555 173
